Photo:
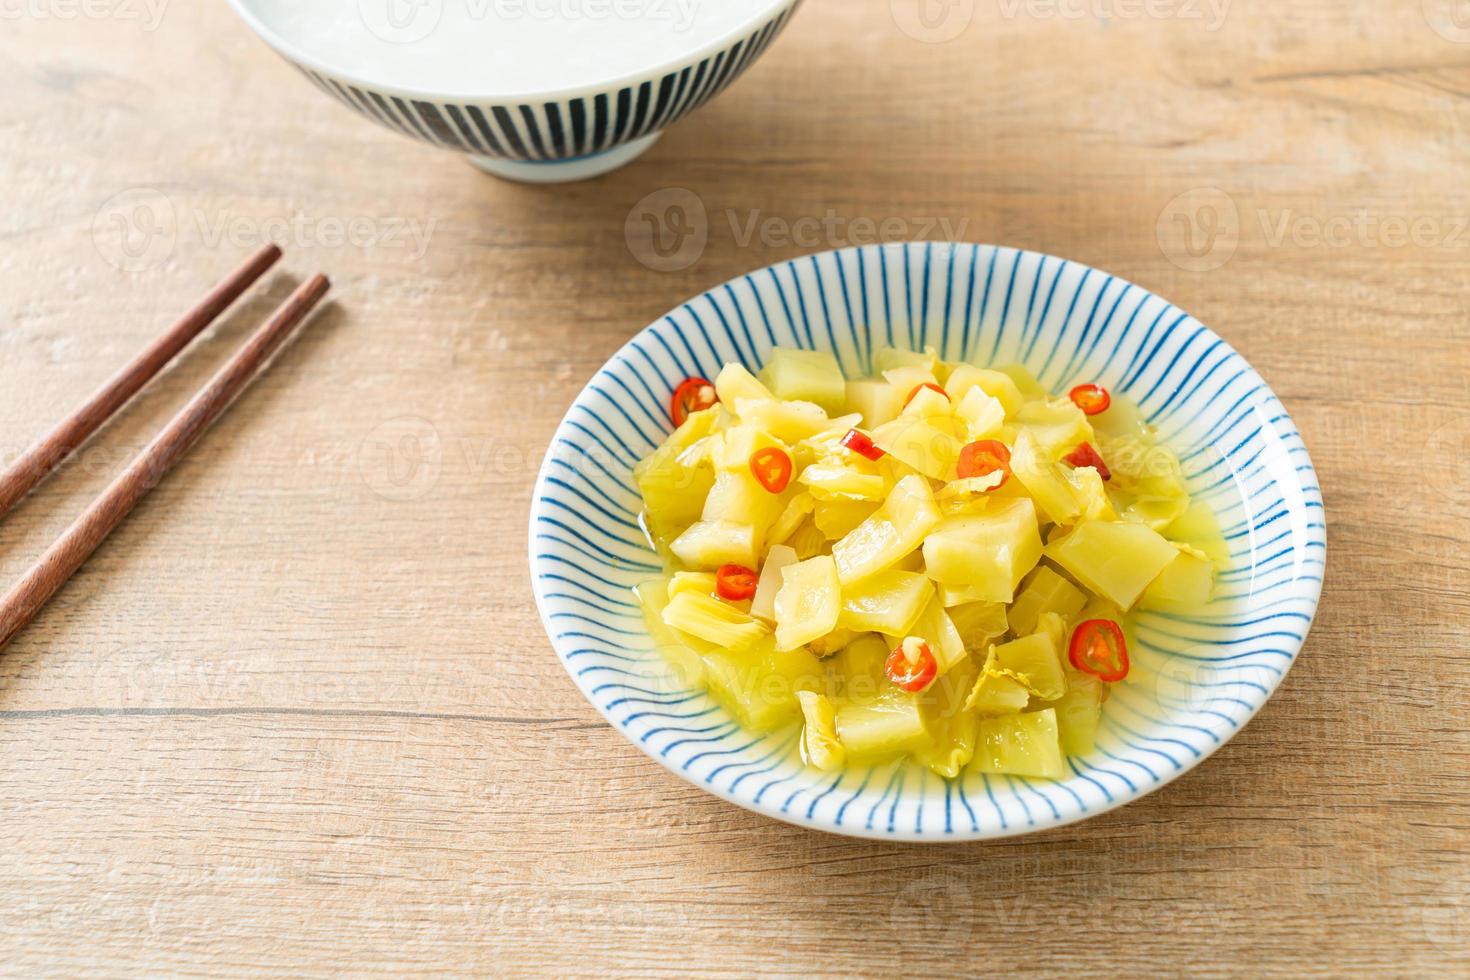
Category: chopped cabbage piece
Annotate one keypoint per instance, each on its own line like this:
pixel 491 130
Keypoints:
pixel 838 518
pixel 798 509
pixel 700 583
pixel 833 481
pixel 1186 582
pixel 887 359
pixel 935 628
pixel 996 384
pixel 1021 745
pixel 1044 480
pixel 790 422
pixel 675 479
pixel 759 685
pixel 806 375
pixel 889 602
pixel 875 399
pixel 1035 661
pixel 930 445
pixel 990 552
pixel 820 745
pixel 1044 591
pixel 1058 426
pixel 735 382
pixel 951 726
pixel 982 414
pixel 738 498
pixel 808 603
pixel 710 544
pixel 1078 712
pixel 889 725
pixel 996 692
pixel 1115 559
pixel 763 604
pixel 979 622
pixel 807 540
pixel 714 621
pixel 891 534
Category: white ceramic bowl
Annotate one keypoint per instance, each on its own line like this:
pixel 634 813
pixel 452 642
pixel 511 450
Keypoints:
pixel 1196 679
pixel 533 90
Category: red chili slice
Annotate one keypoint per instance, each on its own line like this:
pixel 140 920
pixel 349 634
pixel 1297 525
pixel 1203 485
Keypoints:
pixel 862 444
pixel 736 582
pixel 983 458
pixel 911 666
pixel 772 467
pixel 1098 648
pixel 927 384
pixel 692 395
pixel 1092 399
pixel 1085 455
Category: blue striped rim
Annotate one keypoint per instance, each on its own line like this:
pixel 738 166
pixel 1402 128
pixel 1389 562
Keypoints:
pixel 558 131
pixel 1197 678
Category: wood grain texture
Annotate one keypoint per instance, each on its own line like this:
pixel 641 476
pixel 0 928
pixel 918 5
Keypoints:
pixel 297 716
pixel 67 553
pixel 32 466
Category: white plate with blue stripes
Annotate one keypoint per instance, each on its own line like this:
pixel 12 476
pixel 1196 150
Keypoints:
pixel 1196 679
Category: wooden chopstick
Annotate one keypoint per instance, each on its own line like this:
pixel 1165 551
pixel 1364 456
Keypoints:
pixel 32 466
pixel 73 548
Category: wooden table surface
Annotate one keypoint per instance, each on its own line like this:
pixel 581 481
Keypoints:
pixel 299 716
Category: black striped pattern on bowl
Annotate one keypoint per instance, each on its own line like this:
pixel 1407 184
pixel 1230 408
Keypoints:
pixel 559 130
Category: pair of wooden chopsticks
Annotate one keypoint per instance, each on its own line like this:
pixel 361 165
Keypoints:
pixel 63 558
